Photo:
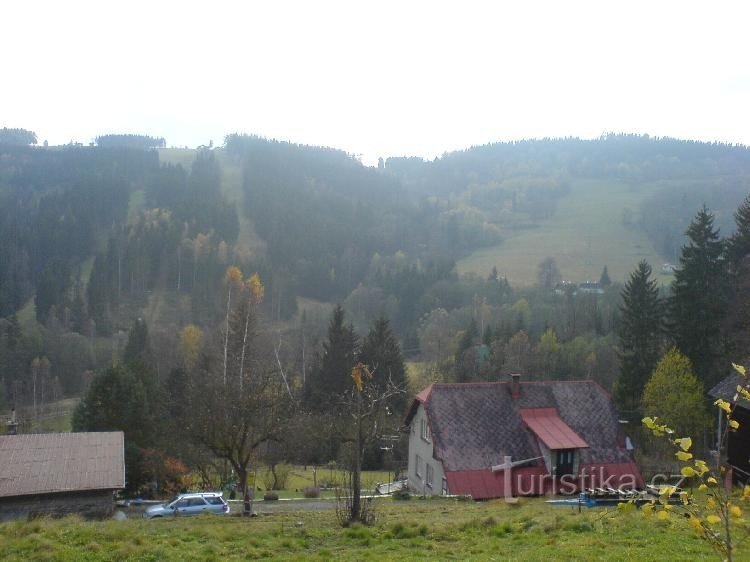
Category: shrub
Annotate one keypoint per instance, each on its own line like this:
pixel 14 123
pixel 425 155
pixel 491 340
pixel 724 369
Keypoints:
pixel 311 492
pixel 402 494
pixel 270 496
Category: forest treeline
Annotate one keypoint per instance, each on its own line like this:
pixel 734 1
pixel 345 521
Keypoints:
pixel 93 238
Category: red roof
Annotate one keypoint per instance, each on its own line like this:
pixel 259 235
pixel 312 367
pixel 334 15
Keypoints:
pixel 551 429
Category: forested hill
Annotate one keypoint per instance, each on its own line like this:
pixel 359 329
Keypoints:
pixel 92 237
pixel 633 158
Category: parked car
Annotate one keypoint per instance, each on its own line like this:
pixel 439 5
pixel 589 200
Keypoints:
pixel 189 504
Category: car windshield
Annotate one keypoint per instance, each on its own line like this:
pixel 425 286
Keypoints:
pixel 171 501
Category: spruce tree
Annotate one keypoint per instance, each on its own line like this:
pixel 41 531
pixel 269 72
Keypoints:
pixel 738 245
pixel 604 279
pixel 737 326
pixel 640 335
pixel 138 350
pixel 332 374
pixel 382 353
pixel 699 299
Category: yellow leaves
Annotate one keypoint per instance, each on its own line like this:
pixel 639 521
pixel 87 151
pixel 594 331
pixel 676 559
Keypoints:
pixel 626 507
pixel 688 472
pixel 684 443
pixel 360 373
pixel 742 391
pixel 696 524
pixel 710 503
pixel 256 288
pixel 711 480
pixel 683 456
pixel 701 467
pixel 746 493
pixel 702 487
pixel 647 509
pixel 735 511
pixel 656 428
pixel 233 275
pixel 191 337
pixel 713 519
pixel 684 498
pixel 734 424
pixel 667 490
pixel 662 515
pixel 739 368
pixel 724 405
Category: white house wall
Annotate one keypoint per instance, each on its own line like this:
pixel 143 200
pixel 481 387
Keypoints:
pixel 418 446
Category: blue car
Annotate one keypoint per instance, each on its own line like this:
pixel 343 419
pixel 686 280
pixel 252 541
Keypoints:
pixel 189 504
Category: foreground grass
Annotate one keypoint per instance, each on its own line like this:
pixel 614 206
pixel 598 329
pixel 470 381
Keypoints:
pixel 414 530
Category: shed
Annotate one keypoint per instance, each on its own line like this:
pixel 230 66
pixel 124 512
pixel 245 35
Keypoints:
pixel 57 474
pixel 738 442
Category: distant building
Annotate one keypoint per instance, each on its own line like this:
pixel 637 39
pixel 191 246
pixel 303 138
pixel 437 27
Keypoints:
pixel 498 439
pixel 563 287
pixel 57 474
pixel 590 287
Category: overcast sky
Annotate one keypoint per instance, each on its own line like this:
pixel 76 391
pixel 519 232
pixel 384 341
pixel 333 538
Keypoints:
pixel 375 77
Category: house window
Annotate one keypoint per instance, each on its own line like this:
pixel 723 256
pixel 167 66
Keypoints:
pixel 425 431
pixel 430 475
pixel 418 466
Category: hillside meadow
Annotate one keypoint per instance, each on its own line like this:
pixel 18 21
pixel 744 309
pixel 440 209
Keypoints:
pixel 417 529
pixel 585 233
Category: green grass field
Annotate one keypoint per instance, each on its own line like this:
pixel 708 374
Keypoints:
pixel 441 529
pixel 585 234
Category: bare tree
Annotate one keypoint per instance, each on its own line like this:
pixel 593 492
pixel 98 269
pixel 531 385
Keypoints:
pixel 237 400
pixel 366 417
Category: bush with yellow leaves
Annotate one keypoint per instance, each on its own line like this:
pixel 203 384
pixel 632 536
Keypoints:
pixel 714 513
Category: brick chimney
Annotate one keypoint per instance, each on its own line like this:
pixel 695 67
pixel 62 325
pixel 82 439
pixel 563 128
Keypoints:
pixel 515 385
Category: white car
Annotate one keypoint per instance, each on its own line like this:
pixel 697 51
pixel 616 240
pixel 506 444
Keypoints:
pixel 189 504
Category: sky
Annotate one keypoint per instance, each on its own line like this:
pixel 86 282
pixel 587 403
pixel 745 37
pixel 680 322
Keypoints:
pixel 375 78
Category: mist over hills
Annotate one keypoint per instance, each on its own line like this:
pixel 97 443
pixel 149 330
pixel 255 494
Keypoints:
pixel 93 237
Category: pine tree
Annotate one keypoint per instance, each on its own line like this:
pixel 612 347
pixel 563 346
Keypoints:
pixel 737 327
pixel 332 374
pixel 138 348
pixel 738 245
pixel 641 331
pixel 699 299
pixel 382 354
pixel 604 280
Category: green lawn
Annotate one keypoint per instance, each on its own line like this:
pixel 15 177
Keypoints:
pixel 440 529
pixel 585 234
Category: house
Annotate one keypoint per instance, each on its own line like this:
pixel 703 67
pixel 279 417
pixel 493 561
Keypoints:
pixel 58 474
pixel 738 442
pixel 590 288
pixel 501 439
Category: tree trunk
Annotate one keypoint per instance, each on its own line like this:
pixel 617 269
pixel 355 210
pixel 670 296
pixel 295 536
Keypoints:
pixel 226 335
pixel 356 514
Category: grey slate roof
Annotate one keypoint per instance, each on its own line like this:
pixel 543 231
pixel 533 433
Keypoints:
pixel 61 462
pixel 474 425
pixel 727 389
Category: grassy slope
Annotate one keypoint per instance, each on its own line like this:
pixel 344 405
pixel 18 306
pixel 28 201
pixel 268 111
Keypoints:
pixel 414 530
pixel 585 234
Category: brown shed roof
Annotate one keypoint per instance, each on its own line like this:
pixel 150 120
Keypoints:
pixel 61 462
